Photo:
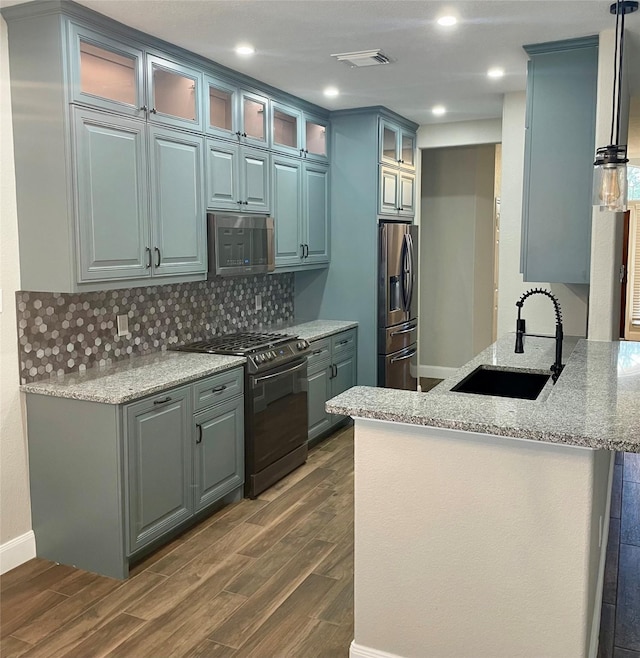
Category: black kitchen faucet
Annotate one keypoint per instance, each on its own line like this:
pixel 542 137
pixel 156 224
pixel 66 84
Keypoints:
pixel 557 366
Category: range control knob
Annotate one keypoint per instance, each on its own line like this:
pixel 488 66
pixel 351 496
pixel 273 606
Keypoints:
pixel 270 356
pixel 302 344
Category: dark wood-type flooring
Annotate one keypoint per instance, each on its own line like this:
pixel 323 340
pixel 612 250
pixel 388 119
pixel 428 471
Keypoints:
pixel 267 578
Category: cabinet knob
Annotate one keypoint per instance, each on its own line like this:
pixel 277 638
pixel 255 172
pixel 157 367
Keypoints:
pixel 244 134
pixel 239 202
pixel 238 133
pixel 144 108
pixel 153 110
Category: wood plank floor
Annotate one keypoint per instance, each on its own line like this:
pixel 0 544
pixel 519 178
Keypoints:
pixel 268 578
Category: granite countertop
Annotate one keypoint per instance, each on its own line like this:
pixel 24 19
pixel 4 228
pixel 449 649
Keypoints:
pixel 134 378
pixel 139 376
pixel 595 402
pixel 317 329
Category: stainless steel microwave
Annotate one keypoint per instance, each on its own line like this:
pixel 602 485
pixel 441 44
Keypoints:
pixel 240 244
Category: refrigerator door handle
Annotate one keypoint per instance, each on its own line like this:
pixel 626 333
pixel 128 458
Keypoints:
pixel 406 269
pixel 411 272
pixel 395 359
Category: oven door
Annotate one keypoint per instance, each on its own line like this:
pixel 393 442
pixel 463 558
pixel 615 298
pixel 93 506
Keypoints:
pixel 277 417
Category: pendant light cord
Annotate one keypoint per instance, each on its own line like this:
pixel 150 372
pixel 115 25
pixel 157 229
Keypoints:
pixel 615 114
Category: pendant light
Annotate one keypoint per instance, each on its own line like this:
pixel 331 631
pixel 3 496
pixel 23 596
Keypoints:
pixel 610 173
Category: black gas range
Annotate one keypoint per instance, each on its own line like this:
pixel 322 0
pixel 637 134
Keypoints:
pixel 276 416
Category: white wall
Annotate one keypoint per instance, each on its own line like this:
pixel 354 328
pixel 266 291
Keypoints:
pixel 456 255
pixel 16 538
pixel 538 311
pixel 461 133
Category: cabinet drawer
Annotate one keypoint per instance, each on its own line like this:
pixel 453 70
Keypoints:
pixel 218 388
pixel 319 351
pixel 343 342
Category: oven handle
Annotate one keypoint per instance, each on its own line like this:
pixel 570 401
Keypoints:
pixel 265 378
pixel 402 358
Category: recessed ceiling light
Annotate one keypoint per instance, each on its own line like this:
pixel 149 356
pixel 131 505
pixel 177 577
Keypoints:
pixel 495 73
pixel 439 110
pixel 245 49
pixel 447 21
pixel 332 92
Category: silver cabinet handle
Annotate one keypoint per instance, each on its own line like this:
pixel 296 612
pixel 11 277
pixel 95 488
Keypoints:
pixel 403 358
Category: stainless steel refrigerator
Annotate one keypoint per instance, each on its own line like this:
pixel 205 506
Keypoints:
pixel 397 305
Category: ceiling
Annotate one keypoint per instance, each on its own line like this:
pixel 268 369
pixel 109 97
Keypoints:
pixel 431 65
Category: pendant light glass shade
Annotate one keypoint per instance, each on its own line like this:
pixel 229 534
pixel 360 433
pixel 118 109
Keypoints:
pixel 610 178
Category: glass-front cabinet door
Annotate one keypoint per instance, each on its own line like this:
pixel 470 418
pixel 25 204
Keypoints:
pixel 389 138
pixel 286 124
pixel 221 100
pixel 173 93
pixel 316 139
pixel 407 150
pixel 106 73
pixel 254 114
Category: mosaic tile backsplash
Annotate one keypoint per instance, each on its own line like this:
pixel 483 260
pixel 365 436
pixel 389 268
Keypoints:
pixel 62 333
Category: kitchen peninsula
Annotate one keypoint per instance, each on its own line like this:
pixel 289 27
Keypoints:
pixel 480 520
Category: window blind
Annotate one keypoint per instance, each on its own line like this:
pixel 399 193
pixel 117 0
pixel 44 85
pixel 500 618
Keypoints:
pixel 633 298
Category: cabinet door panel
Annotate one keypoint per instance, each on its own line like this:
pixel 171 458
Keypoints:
pixel 111 187
pixel 159 466
pixel 177 202
pixel 345 377
pixel 407 194
pixel 106 73
pixel 221 100
pixel 407 150
pixel 286 129
pixel 222 176
pixel 316 138
pixel 219 451
pixel 389 141
pixel 254 180
pixel 254 119
pixel 318 392
pixel 389 181
pixel 287 209
pixel 316 212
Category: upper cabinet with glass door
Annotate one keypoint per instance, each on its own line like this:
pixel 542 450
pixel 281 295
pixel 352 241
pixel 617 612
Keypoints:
pixel 221 114
pixel 316 138
pixel 109 74
pixel 397 145
pixel 286 129
pixel 173 92
pixel 254 119
pixel 106 73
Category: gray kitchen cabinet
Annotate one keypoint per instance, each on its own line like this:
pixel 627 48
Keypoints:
pixel 219 452
pixel 117 237
pixel 349 288
pixel 301 212
pixel 397 192
pixel 76 62
pixel 102 497
pixel 397 145
pixel 558 166
pixel 177 202
pixel 159 465
pixel 238 177
pixel 331 370
pixel 108 73
pixel 286 129
pixel 113 229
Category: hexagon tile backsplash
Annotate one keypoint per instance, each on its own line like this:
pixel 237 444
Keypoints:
pixel 63 333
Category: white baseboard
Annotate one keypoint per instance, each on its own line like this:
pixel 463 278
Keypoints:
pixel 436 372
pixel 359 651
pixel 17 551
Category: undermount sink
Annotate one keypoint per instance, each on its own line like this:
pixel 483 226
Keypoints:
pixel 485 380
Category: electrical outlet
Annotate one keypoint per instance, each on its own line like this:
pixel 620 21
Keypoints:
pixel 123 325
pixel 258 302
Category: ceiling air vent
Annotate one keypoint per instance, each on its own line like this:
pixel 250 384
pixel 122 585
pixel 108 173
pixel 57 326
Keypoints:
pixel 363 58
